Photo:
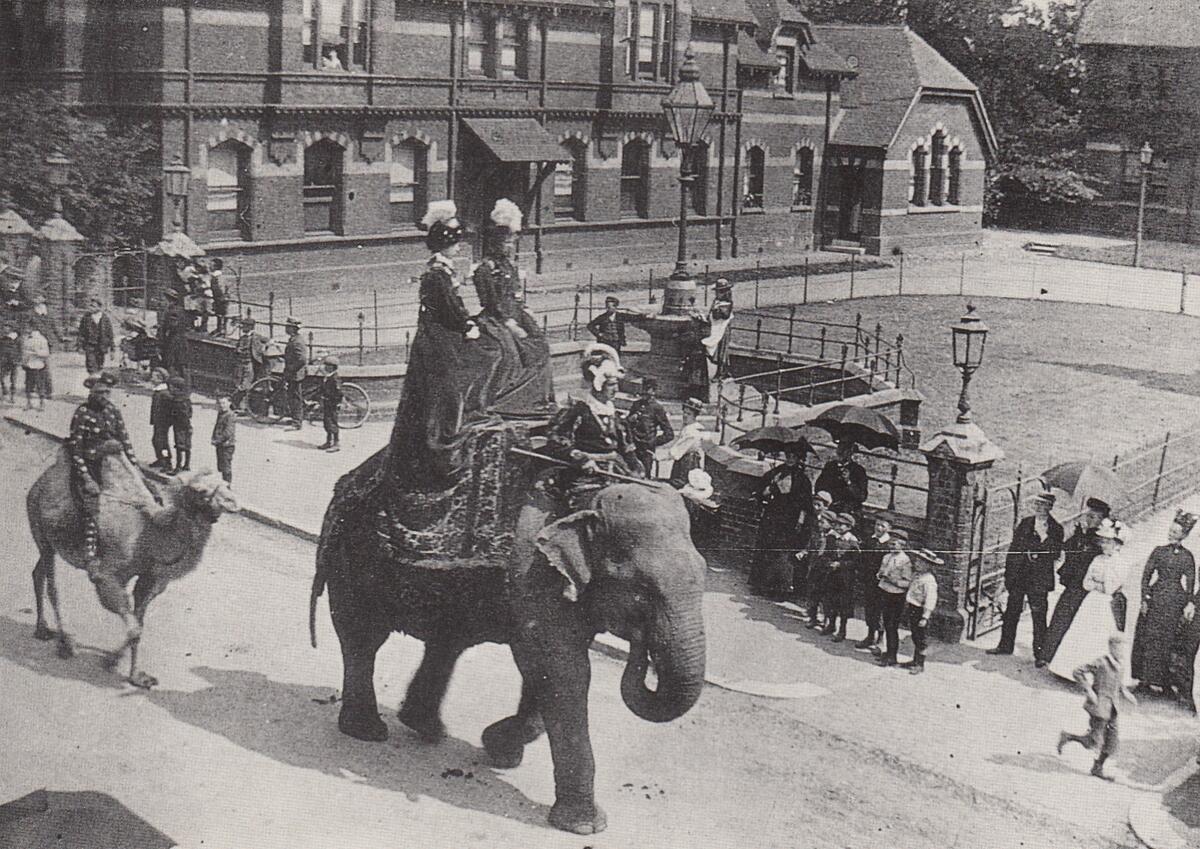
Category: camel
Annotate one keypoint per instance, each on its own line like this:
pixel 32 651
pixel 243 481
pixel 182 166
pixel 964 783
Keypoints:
pixel 139 538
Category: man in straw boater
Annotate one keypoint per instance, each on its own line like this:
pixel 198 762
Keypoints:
pixel 295 360
pixel 1029 574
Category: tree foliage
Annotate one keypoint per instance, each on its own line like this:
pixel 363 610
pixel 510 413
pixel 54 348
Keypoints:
pixel 1025 61
pixel 113 179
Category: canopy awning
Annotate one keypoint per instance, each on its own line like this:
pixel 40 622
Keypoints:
pixel 517 140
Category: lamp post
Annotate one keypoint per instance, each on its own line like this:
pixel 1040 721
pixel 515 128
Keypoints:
pixel 688 109
pixel 176 177
pixel 969 337
pixel 1145 156
pixel 58 164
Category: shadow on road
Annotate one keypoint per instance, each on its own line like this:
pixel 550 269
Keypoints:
pixel 294 724
pixel 18 645
pixel 1184 801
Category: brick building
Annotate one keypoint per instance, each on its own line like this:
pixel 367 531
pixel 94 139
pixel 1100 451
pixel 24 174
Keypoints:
pixel 1143 84
pixel 317 130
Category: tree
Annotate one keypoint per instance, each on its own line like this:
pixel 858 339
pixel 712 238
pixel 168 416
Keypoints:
pixel 113 180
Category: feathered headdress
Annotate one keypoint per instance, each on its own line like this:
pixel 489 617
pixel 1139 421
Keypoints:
pixel 439 211
pixel 1187 521
pixel 507 214
pixel 605 371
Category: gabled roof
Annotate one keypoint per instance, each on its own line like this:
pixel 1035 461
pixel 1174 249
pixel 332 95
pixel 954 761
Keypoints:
pixel 1141 23
pixel 821 60
pixel 895 67
pixel 772 13
pixel 751 55
pixel 724 12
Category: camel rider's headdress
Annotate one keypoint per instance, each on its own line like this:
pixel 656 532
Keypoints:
pixel 442 225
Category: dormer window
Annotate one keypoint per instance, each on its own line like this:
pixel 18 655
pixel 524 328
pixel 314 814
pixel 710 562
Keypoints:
pixel 785 77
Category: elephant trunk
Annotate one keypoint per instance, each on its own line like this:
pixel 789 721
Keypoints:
pixel 676 646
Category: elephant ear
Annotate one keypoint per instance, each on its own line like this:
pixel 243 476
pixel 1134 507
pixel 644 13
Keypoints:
pixel 564 543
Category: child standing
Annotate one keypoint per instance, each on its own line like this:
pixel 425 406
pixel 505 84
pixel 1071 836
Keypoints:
pixel 10 359
pixel 180 402
pixel 224 437
pixel 35 358
pixel 871 559
pixel 1103 682
pixel 921 600
pixel 160 420
pixel 331 397
pixel 895 577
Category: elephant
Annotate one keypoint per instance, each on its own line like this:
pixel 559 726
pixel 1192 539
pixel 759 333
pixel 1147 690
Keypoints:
pixel 625 564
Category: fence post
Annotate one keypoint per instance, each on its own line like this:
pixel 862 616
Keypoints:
pixel 290 310
pixel 575 318
pixel 878 334
pixel 822 356
pixel 545 325
pixel 778 381
pixel 375 306
pixel 758 334
pixel 362 320
pixel 1162 464
pixel 757 279
pixel 270 313
pixel 962 273
pixel 310 345
pixel 899 356
pixel 706 284
pixel 741 400
pixel 591 305
pixel 1183 292
pixel 892 487
pixel 842 381
pixel 806 279
pixel 887 365
pixel 900 291
pixel 852 265
pixel 857 332
pixel 765 403
pixel 791 321
pixel 407 338
pixel 650 286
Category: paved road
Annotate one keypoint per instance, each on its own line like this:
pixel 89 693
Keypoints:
pixel 238 745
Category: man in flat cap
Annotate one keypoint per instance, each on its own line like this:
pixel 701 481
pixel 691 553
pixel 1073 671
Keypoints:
pixel 251 363
pixel 295 359
pixel 1029 574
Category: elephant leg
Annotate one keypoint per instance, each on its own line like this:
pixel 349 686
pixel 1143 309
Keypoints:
pixel 505 741
pixel 422 706
pixel 556 661
pixel 359 716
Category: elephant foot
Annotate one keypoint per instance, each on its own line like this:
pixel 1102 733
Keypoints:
pixel 578 817
pixel 66 647
pixel 141 679
pixel 504 747
pixel 42 632
pixel 427 725
pixel 362 725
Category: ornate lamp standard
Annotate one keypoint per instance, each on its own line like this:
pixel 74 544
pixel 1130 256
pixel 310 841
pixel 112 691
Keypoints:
pixel 1145 156
pixel 688 109
pixel 58 165
pixel 969 337
pixel 176 177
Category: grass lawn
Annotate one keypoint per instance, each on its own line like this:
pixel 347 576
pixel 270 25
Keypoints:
pixel 1170 256
pixel 1059 381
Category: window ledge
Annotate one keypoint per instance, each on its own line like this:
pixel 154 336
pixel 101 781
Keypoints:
pixel 755 210
pixel 933 210
pixel 803 208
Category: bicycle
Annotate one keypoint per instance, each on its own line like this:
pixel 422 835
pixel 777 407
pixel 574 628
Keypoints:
pixel 268 402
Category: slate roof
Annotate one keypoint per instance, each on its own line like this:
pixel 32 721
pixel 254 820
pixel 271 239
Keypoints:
pixel 820 58
pixel 751 54
pixel 724 12
pixel 772 13
pixel 517 139
pixel 894 66
pixel 1141 23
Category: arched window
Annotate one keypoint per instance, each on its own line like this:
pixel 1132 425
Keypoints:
pixel 333 34
pixel 635 179
pixel 409 182
pixel 755 180
pixel 699 167
pixel 937 169
pixel 920 177
pixel 569 179
pixel 323 187
pixel 954 176
pixel 802 178
pixel 228 180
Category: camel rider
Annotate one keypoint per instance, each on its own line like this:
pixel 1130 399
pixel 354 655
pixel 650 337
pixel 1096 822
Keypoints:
pixel 590 435
pixel 96 421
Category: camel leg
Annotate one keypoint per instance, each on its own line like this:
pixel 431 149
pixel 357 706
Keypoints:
pixel 422 706
pixel 144 591
pixel 46 581
pixel 114 598
pixel 505 741
pixel 41 631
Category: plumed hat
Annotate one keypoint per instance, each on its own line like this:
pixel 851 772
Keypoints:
pixel 506 216
pixel 442 225
pixel 604 372
pixel 1111 529
pixel 1187 521
pixel 594 354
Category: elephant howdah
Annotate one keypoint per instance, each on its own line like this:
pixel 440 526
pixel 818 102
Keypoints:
pixel 487 561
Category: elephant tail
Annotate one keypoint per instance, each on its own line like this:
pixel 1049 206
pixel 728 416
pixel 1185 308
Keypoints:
pixel 318 587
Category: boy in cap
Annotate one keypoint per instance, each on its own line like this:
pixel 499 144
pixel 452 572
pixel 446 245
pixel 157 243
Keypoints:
pixel 820 549
pixel 180 405
pixel 331 397
pixel 895 577
pixel 921 600
pixel 295 358
pixel 224 438
pixel 10 359
pixel 160 420
pixel 839 581
pixel 95 336
pixel 873 551
pixel 1103 682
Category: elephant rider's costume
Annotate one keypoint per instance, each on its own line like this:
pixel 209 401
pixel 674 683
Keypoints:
pixel 590 430
pixel 96 421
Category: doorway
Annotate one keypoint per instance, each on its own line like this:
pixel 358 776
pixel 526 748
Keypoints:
pixel 852 183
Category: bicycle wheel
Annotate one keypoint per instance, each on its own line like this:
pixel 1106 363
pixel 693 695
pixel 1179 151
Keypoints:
pixel 355 406
pixel 264 399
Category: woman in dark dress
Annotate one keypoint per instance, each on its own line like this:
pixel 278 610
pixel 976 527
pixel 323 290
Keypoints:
pixel 450 366
pixel 1168 584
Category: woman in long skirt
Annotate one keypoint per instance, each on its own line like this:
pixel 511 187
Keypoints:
pixel 1168 584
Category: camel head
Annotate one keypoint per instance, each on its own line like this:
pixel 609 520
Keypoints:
pixel 206 494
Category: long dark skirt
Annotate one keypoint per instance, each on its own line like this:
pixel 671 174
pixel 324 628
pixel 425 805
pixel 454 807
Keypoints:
pixel 1157 634
pixel 521 385
pixel 1064 614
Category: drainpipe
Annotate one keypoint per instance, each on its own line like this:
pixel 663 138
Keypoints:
pixel 819 212
pixel 736 194
pixel 725 44
pixel 187 99
pixel 543 32
pixel 455 61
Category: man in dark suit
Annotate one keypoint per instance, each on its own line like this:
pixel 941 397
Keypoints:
pixel 251 364
pixel 648 424
pixel 609 326
pixel 95 336
pixel 1103 681
pixel 1029 574
pixel 295 359
pixel 785 524
pixel 846 480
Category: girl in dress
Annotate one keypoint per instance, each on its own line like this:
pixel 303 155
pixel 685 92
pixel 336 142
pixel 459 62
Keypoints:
pixel 1087 638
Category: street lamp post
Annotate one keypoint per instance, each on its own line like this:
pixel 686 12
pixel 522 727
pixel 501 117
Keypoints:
pixel 1145 156
pixel 688 109
pixel 58 164
pixel 176 177
pixel 969 337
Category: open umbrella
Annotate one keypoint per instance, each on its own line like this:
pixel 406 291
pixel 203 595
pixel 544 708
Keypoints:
pixel 1075 481
pixel 862 425
pixel 772 439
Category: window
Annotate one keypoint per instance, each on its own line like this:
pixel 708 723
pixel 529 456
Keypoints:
pixel 323 187
pixel 648 36
pixel 754 181
pixel 334 33
pixel 954 177
pixel 635 179
pixel 785 77
pixel 409 178
pixel 699 168
pixel 802 178
pixel 228 181
pixel 569 183
pixel 497 47
pixel 937 169
pixel 919 176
